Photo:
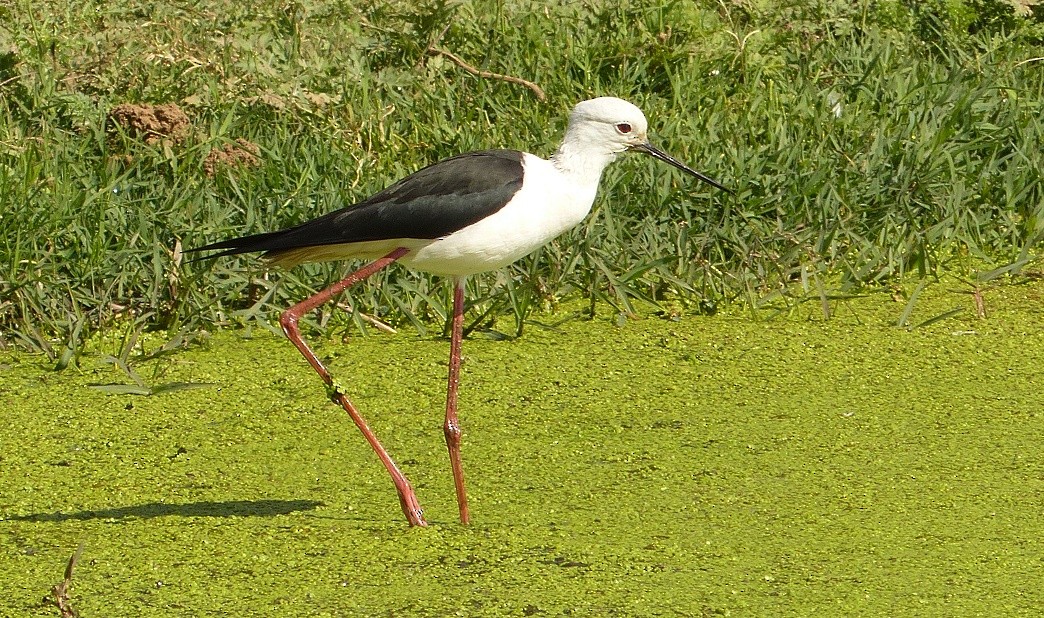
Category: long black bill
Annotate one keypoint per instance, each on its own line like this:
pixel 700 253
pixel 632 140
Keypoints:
pixel 663 156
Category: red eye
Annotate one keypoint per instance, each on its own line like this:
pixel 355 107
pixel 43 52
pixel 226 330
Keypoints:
pixel 623 127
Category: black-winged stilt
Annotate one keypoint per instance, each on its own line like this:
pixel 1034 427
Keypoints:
pixel 464 215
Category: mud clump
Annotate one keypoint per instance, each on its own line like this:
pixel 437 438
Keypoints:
pixel 152 123
pixel 243 153
pixel 168 124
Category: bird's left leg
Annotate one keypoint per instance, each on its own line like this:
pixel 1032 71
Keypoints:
pixel 452 425
pixel 407 499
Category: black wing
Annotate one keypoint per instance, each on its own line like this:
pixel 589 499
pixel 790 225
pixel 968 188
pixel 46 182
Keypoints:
pixel 431 203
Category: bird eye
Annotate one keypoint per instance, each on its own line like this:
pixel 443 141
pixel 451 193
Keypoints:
pixel 623 128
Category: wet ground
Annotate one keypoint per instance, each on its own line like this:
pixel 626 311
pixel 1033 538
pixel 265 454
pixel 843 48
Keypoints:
pixel 701 466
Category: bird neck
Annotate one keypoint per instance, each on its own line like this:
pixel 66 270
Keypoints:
pixel 584 165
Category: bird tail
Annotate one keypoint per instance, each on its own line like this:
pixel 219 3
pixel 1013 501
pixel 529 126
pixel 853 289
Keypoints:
pixel 235 246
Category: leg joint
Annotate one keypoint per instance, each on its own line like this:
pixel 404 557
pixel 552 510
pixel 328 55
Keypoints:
pixel 452 430
pixel 288 320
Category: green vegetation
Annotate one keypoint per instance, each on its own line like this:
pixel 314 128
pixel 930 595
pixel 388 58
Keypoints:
pixel 865 141
pixel 710 466
pixel 867 445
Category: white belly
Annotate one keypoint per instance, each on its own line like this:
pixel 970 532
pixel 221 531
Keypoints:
pixel 539 212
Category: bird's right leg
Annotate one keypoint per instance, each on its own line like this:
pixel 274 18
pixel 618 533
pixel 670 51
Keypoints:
pixel 407 499
pixel 451 427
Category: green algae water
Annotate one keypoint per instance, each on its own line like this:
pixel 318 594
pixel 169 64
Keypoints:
pixel 701 466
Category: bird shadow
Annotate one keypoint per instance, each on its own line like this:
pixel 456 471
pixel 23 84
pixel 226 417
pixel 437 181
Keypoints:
pixel 227 508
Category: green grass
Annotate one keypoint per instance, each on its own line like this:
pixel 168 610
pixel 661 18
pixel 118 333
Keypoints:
pixel 933 166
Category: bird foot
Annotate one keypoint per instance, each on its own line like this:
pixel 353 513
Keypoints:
pixel 411 508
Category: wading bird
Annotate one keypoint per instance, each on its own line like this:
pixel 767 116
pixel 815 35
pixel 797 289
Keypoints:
pixel 467 214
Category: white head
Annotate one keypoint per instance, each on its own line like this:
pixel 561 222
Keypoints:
pixel 601 128
pixel 607 125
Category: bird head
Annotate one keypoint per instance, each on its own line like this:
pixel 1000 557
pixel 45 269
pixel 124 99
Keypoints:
pixel 609 126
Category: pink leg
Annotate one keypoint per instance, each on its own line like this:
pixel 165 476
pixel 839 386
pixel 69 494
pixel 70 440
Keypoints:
pixel 452 425
pixel 289 319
